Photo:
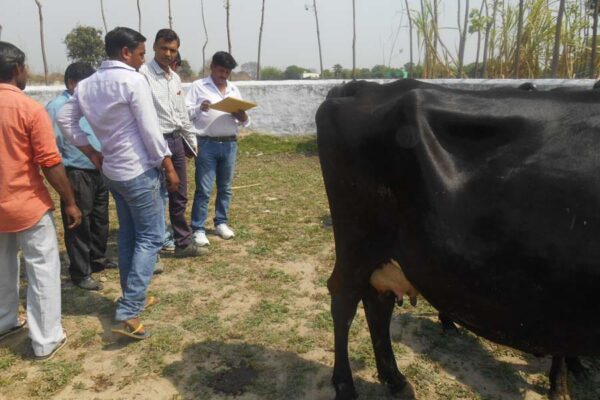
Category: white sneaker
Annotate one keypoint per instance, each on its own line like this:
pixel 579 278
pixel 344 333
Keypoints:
pixel 224 231
pixel 200 238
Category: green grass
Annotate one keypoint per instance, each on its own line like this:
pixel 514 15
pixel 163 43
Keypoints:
pixel 258 305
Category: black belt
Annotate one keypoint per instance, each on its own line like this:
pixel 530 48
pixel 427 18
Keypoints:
pixel 173 135
pixel 219 138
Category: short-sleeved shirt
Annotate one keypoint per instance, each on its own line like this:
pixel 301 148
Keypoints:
pixel 26 144
pixel 71 155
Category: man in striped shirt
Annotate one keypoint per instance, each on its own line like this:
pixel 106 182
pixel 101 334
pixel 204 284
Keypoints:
pixel 177 129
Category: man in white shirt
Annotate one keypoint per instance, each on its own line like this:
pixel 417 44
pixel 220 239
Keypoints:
pixel 217 142
pixel 177 129
pixel 117 103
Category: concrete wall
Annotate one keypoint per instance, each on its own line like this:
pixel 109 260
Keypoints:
pixel 289 107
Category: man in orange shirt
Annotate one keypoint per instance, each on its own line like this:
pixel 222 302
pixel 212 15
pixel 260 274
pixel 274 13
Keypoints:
pixel 26 222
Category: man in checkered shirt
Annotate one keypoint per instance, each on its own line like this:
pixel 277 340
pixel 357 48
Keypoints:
pixel 175 125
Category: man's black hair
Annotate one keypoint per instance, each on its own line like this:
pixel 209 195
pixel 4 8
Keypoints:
pixel 168 35
pixel 224 59
pixel 78 71
pixel 10 57
pixel 121 37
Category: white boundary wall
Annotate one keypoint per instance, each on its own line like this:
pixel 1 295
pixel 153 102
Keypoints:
pixel 289 107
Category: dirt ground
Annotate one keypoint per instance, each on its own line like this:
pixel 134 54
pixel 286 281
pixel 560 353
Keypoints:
pixel 251 319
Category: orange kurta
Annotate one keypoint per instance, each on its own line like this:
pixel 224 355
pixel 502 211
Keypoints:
pixel 26 143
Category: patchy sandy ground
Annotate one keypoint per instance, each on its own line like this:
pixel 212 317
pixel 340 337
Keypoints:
pixel 251 319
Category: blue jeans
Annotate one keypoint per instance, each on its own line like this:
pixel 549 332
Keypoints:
pixel 216 160
pixel 140 208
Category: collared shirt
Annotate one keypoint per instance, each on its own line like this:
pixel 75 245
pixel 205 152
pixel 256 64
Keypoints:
pixel 26 143
pixel 117 102
pixel 71 155
pixel 212 122
pixel 169 100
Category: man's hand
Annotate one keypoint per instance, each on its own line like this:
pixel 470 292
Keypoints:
pixel 95 156
pixel 57 177
pixel 204 105
pixel 172 181
pixel 170 175
pixel 73 216
pixel 240 115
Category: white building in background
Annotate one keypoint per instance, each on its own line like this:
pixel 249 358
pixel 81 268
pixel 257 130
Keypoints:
pixel 310 75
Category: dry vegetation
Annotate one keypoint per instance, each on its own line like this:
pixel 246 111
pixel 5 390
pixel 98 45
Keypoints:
pixel 251 320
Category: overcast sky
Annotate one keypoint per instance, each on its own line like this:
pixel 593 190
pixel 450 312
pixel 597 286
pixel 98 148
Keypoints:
pixel 289 35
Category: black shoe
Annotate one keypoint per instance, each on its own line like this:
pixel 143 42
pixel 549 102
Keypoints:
pixel 88 283
pixel 191 250
pixel 107 265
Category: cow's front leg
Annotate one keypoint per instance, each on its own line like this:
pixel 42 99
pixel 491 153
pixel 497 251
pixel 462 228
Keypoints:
pixel 378 310
pixel 343 309
pixel 559 385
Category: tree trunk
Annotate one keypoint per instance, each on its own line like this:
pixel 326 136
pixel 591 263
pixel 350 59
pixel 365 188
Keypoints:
pixel 556 50
pixel 205 39
pixel 592 71
pixel 39 5
pixel 410 38
pixel 0 32
pixel 463 37
pixel 486 41
pixel 170 16
pixel 227 6
pixel 436 34
pixel 103 16
pixel 353 39
pixel 260 32
pixel 519 38
pixel 318 37
pixel 139 16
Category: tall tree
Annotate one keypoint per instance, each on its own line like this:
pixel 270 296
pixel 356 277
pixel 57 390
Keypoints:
pixel 103 16
pixel 227 8
pixel 318 36
pixel 463 36
pixel 139 16
pixel 410 38
pixel 0 32
pixel 205 39
pixel 39 5
pixel 353 39
pixel 260 32
pixel 170 16
pixel 557 32
pixel 486 40
pixel 519 39
pixel 592 71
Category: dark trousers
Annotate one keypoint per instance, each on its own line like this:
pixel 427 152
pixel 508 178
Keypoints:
pixel 86 244
pixel 178 200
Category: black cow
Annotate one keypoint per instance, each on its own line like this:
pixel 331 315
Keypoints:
pixel 488 200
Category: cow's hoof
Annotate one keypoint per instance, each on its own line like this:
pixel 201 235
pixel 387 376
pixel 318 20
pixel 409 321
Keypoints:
pixel 448 326
pixel 344 391
pixel 558 395
pixel 404 390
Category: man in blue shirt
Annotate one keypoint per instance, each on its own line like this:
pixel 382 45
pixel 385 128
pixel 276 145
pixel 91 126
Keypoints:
pixel 86 244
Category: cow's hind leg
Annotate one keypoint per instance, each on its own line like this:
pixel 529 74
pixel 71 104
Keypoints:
pixel 378 310
pixel 559 385
pixel 343 310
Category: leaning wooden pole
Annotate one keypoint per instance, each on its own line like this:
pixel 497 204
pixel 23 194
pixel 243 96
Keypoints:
pixel 410 38
pixel 205 39
pixel 354 39
pixel 318 37
pixel 260 32
pixel 592 69
pixel 103 16
pixel 139 16
pixel 39 5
